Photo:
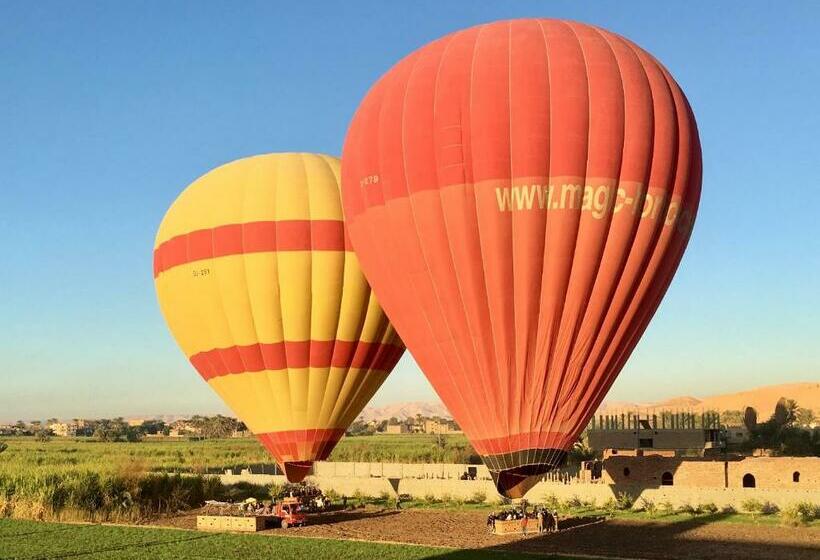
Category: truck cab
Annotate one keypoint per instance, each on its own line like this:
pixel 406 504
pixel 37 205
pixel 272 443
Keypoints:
pixel 289 512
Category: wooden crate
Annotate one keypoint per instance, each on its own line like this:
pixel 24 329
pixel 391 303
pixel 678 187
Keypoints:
pixel 249 524
pixel 503 527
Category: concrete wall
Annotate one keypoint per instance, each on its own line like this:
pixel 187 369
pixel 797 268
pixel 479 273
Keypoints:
pixel 328 469
pixel 661 439
pixel 696 481
pixel 599 493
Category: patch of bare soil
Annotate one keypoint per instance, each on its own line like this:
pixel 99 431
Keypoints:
pixel 698 538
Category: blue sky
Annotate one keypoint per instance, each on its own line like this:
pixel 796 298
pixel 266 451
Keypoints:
pixel 108 110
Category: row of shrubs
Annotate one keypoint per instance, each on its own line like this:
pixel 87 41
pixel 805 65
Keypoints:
pixel 92 496
pixel 796 514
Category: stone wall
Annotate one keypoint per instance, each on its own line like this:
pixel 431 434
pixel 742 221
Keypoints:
pixel 599 493
pixel 446 471
pixel 769 472
pixel 695 481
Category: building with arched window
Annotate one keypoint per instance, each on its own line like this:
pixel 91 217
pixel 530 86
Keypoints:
pixel 654 469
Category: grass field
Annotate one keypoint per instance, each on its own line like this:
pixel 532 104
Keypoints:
pixel 68 479
pixel 30 540
pixel 201 456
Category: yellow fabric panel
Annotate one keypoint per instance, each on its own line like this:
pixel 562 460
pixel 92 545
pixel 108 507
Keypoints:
pixel 262 285
pixel 193 307
pixel 241 191
pixel 180 311
pixel 295 294
pixel 323 201
pixel 263 297
pixel 260 398
pixel 375 323
pixel 212 200
pixel 354 304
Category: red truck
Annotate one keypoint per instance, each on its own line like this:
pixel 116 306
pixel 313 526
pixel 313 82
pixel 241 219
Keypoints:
pixel 288 511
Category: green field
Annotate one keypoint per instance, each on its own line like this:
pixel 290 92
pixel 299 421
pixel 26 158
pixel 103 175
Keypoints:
pixel 29 540
pixel 67 479
pixel 217 454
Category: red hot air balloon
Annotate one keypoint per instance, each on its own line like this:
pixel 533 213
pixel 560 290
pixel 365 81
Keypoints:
pixel 519 195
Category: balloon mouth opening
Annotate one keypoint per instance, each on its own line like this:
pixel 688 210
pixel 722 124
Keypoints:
pixel 515 481
pixel 296 471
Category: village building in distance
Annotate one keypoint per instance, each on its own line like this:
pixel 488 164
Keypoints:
pixel 681 431
pixel 417 425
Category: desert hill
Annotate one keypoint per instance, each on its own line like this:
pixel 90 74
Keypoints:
pixel 404 410
pixel 763 399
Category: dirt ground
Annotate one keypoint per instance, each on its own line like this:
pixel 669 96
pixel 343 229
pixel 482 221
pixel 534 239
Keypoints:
pixel 697 538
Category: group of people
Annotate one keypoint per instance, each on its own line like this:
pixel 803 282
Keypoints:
pixel 546 520
pixel 252 506
pixel 310 496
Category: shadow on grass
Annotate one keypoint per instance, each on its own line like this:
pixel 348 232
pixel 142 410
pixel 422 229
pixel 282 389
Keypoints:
pixel 650 540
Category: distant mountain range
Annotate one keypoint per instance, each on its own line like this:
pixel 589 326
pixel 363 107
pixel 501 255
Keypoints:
pixel 404 410
pixel 763 399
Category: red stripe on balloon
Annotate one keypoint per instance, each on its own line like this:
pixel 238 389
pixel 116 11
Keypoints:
pixel 309 353
pixel 251 237
pixel 522 442
pixel 301 445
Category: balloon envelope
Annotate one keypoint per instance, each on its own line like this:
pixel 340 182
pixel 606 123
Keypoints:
pixel 519 195
pixel 259 286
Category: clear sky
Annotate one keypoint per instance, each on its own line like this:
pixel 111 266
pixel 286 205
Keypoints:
pixel 109 109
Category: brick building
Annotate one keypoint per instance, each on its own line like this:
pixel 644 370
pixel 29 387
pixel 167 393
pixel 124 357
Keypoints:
pixel 653 470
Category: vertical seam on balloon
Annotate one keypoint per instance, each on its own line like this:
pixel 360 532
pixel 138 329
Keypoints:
pixel 592 370
pixel 632 332
pixel 273 186
pixel 562 373
pixel 478 232
pixel 636 226
pixel 281 315
pixel 255 382
pixel 566 378
pixel 345 260
pixel 546 403
pixel 595 369
pixel 579 377
pixel 227 322
pixel 418 237
pixel 468 409
pixel 311 304
pixel 538 417
pixel 514 402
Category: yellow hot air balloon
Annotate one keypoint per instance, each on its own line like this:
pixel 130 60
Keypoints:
pixel 259 285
